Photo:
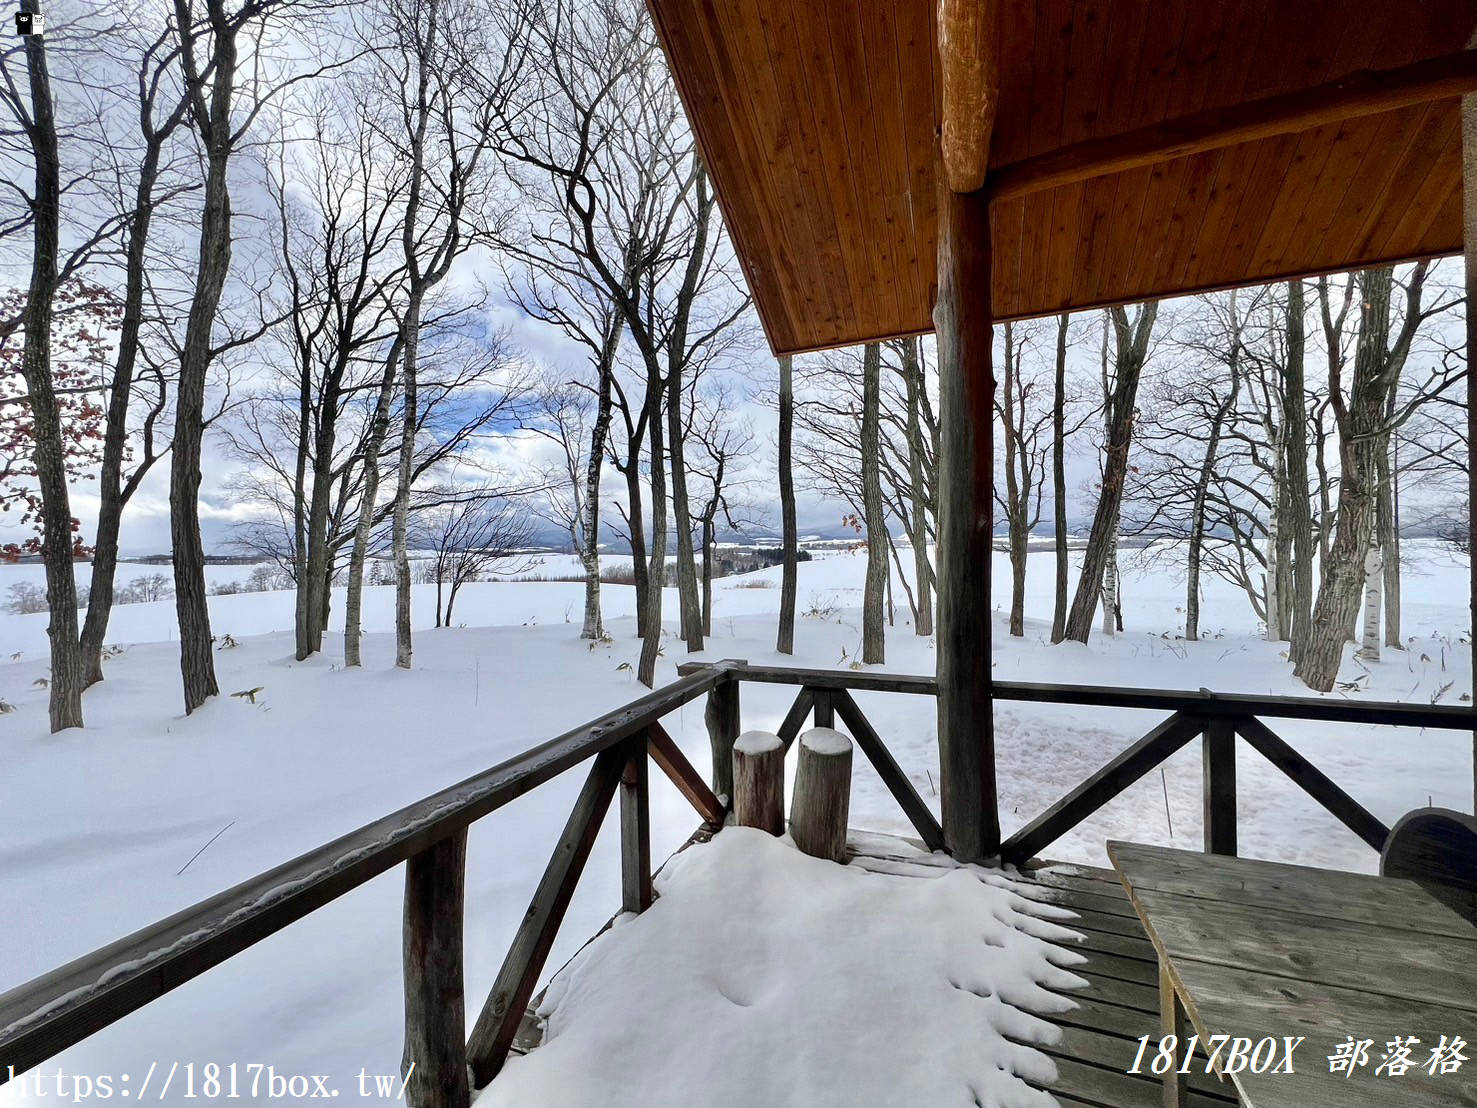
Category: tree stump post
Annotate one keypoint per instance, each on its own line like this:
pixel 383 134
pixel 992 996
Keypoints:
pixel 759 781
pixel 822 801
pixel 435 1059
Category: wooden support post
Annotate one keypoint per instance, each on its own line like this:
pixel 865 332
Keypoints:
pixel 1173 1021
pixel 435 1057
pixel 722 718
pixel 759 781
pixel 635 828
pixel 822 801
pixel 1469 237
pixel 1218 762
pixel 969 65
pixel 965 472
pixel 825 714
pixel 498 1022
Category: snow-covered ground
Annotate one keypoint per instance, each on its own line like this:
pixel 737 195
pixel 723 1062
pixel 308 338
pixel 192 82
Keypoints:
pixel 98 828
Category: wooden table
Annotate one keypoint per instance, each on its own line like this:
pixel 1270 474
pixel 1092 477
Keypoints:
pixel 1259 949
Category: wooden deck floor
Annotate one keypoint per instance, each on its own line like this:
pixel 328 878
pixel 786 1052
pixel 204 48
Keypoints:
pixel 1121 1003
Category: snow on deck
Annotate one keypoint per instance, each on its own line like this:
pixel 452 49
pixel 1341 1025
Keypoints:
pixel 764 976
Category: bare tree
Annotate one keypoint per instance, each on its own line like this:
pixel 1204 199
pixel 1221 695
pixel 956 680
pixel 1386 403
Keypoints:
pixel 449 81
pixel 1364 421
pixel 1024 420
pixel 476 531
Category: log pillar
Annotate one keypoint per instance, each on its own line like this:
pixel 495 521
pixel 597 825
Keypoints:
pixel 1469 237
pixel 759 781
pixel 969 65
pixel 962 316
pixel 435 1061
pixel 722 718
pixel 822 802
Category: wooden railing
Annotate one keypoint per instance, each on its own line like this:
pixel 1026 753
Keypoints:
pixel 47 1015
pixel 1216 718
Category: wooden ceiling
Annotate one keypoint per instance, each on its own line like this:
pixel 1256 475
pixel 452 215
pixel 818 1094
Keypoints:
pixel 817 119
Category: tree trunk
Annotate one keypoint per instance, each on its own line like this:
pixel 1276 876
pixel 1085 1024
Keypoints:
pixel 657 566
pixel 593 626
pixel 48 449
pixel 709 538
pixel 1132 350
pixel 364 525
pixel 873 632
pixel 197 666
pixel 1295 445
pixel 1388 521
pixel 636 526
pixel 1059 479
pixel 1369 639
pixel 1110 585
pixel 1337 607
pixel 401 522
pixel 113 492
pixel 918 492
pixel 687 590
pixel 785 640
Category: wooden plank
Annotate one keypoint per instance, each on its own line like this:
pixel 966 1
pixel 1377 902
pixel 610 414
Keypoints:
pixel 60 1008
pixel 1300 948
pixel 497 1024
pixel 1119 773
pixel 891 773
pixel 635 828
pixel 808 234
pixel 1368 92
pixel 435 1058
pixel 1218 769
pixel 666 754
pixel 1278 887
pixel 1314 782
pixel 1228 1000
pixel 1100 1086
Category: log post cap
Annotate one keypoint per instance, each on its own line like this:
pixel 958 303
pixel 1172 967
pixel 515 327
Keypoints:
pixel 756 742
pixel 826 741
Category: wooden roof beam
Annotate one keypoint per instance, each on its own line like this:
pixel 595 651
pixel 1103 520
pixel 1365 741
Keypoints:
pixel 1367 92
pixel 969 61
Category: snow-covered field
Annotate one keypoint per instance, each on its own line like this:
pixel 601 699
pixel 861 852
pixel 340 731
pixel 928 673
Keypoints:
pixel 98 828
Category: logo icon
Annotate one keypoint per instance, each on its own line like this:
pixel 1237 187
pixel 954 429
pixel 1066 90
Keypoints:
pixel 28 23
